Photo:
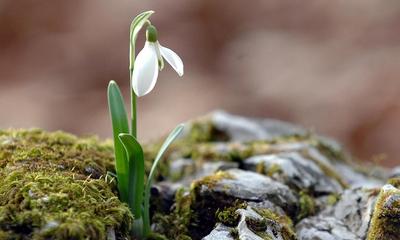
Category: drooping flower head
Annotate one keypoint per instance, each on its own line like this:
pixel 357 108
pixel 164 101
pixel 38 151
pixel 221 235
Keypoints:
pixel 150 61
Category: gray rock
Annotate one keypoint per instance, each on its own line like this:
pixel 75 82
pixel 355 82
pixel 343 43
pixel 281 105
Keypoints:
pixel 324 228
pixel 186 170
pixel 355 210
pixel 267 205
pixel 250 186
pixel 356 179
pixel 269 177
pixel 181 167
pixel 296 171
pixel 246 129
pixel 346 172
pixel 220 232
pixel 395 172
pixel 347 219
pixel 163 195
pixel 251 226
pixel 209 168
pixel 248 232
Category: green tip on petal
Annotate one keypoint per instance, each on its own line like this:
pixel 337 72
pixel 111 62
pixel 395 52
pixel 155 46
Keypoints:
pixel 151 34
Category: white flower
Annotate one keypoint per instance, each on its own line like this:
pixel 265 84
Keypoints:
pixel 146 67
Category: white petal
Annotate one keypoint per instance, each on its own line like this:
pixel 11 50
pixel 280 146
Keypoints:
pixel 160 59
pixel 145 70
pixel 173 59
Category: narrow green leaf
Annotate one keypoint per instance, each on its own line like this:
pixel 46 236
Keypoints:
pixel 136 173
pixel 120 125
pixel 138 22
pixel 146 211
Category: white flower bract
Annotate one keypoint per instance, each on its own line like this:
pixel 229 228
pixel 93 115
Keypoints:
pixel 146 67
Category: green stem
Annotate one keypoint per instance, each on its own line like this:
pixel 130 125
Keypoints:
pixel 137 229
pixel 133 95
pixel 133 112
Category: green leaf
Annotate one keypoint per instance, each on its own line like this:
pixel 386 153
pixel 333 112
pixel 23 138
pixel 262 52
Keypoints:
pixel 146 214
pixel 138 22
pixel 120 125
pixel 136 173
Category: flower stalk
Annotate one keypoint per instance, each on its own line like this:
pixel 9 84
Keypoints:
pixel 129 158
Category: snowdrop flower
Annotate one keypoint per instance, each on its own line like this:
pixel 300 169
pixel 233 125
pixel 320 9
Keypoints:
pixel 150 60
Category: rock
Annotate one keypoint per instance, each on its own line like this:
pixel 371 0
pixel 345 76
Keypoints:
pixel 245 185
pixel 295 171
pixel 347 219
pixel 220 232
pixel 395 172
pixel 186 170
pixel 254 224
pixel 227 188
pixel 228 177
pixel 239 128
pixel 357 179
pixel 385 224
pixel 324 228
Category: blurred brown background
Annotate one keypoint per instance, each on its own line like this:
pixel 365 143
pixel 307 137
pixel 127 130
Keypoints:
pixel 333 66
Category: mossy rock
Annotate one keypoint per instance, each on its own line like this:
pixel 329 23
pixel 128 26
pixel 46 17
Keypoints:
pixel 385 223
pixel 55 186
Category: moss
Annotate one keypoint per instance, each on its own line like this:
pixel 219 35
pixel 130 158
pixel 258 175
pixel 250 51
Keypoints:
pixel 307 206
pixel 205 219
pixel 218 151
pixel 331 152
pixel 285 222
pixel 205 131
pixel 268 171
pixel 385 221
pixel 176 224
pixel 52 204
pixel 394 182
pixel 52 185
pixel 234 233
pixel 274 168
pixel 333 199
pixel 38 150
pixel 211 180
pixel 257 225
pixel 228 216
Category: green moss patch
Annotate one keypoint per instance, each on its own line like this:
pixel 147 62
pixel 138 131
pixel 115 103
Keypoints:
pixel 53 186
pixel 228 216
pixel 394 182
pixel 385 222
pixel 284 221
pixel 307 206
pixel 176 224
pixel 36 150
pixel 211 180
pixel 59 205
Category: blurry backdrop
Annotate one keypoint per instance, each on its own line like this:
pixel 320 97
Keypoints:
pixel 333 66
